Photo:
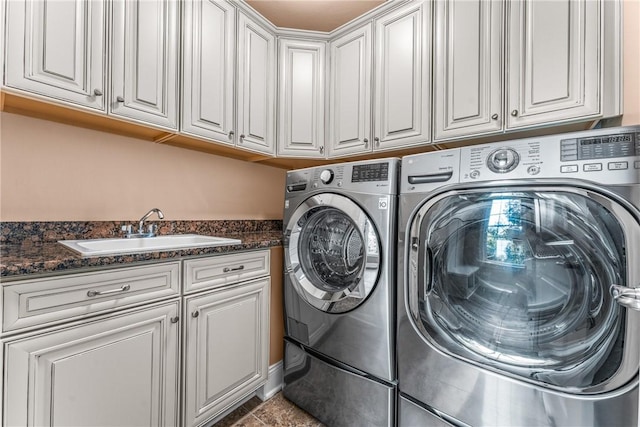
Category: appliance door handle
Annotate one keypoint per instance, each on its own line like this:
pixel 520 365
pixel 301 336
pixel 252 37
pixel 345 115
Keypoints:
pixel 425 179
pixel 626 297
pixel 426 284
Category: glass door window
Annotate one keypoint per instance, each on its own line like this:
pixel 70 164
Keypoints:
pixel 519 281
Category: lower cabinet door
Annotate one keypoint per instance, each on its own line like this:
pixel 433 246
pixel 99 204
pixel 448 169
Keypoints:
pixel 118 371
pixel 226 348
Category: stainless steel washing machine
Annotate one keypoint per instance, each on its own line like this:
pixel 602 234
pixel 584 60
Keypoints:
pixel 519 275
pixel 339 291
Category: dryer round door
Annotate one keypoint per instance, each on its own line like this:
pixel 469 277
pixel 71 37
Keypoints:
pixel 332 253
pixel 520 281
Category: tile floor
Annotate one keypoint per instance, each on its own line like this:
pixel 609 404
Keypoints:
pixel 275 412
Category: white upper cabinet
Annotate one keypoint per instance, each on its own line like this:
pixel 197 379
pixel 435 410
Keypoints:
pixel 208 73
pixel 468 68
pixel 144 62
pixel 301 98
pixel 220 102
pixel 401 98
pixel 350 96
pixel 554 61
pixel 57 49
pixel 407 74
pixel 402 77
pixel 256 87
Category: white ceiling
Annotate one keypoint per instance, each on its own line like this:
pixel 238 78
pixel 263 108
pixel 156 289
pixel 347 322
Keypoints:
pixel 318 15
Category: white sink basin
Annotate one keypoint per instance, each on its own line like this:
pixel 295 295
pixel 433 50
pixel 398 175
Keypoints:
pixel 92 247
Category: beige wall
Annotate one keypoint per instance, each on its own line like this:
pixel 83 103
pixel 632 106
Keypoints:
pixel 55 172
pixel 631 11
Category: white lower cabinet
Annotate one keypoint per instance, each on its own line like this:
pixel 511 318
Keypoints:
pixel 105 348
pixel 226 348
pixel 118 371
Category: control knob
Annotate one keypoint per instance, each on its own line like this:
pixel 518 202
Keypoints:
pixel 326 176
pixel 503 160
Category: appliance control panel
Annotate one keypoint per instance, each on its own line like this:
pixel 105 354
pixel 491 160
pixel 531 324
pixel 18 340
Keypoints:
pixel 600 147
pixel 370 172
pixel 610 156
pixel 374 176
pixel 519 159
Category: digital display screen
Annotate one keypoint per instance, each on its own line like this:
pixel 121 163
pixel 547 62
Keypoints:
pixel 599 147
pixel 607 140
pixel 370 172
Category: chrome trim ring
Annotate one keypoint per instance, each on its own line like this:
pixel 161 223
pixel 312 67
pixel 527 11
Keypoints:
pixel 628 221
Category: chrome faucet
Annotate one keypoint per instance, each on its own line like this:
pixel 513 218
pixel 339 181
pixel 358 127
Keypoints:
pixel 141 231
pixel 147 215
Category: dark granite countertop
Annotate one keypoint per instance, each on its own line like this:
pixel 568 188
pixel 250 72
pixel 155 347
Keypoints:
pixel 31 255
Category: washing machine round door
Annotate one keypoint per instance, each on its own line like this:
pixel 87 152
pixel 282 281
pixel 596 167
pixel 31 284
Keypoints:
pixel 332 253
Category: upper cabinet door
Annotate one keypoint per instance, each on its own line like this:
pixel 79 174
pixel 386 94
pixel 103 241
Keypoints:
pixel 350 104
pixel 402 76
pixel 301 98
pixel 57 49
pixel 554 62
pixel 208 73
pixel 144 63
pixel 468 64
pixel 256 87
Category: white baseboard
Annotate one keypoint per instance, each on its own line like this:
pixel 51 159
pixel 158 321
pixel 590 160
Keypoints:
pixel 274 382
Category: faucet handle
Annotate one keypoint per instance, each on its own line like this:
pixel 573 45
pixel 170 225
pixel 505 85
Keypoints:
pixel 152 229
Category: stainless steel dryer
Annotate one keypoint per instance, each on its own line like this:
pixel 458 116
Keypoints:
pixel 518 286
pixel 339 293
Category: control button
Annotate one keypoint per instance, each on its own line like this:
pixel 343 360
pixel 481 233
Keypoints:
pixel 474 174
pixel 592 167
pixel 616 166
pixel 503 160
pixel 533 170
pixel 569 157
pixel 569 169
pixel 315 185
pixel 326 176
pixel 636 164
pixel 339 183
pixel 569 151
